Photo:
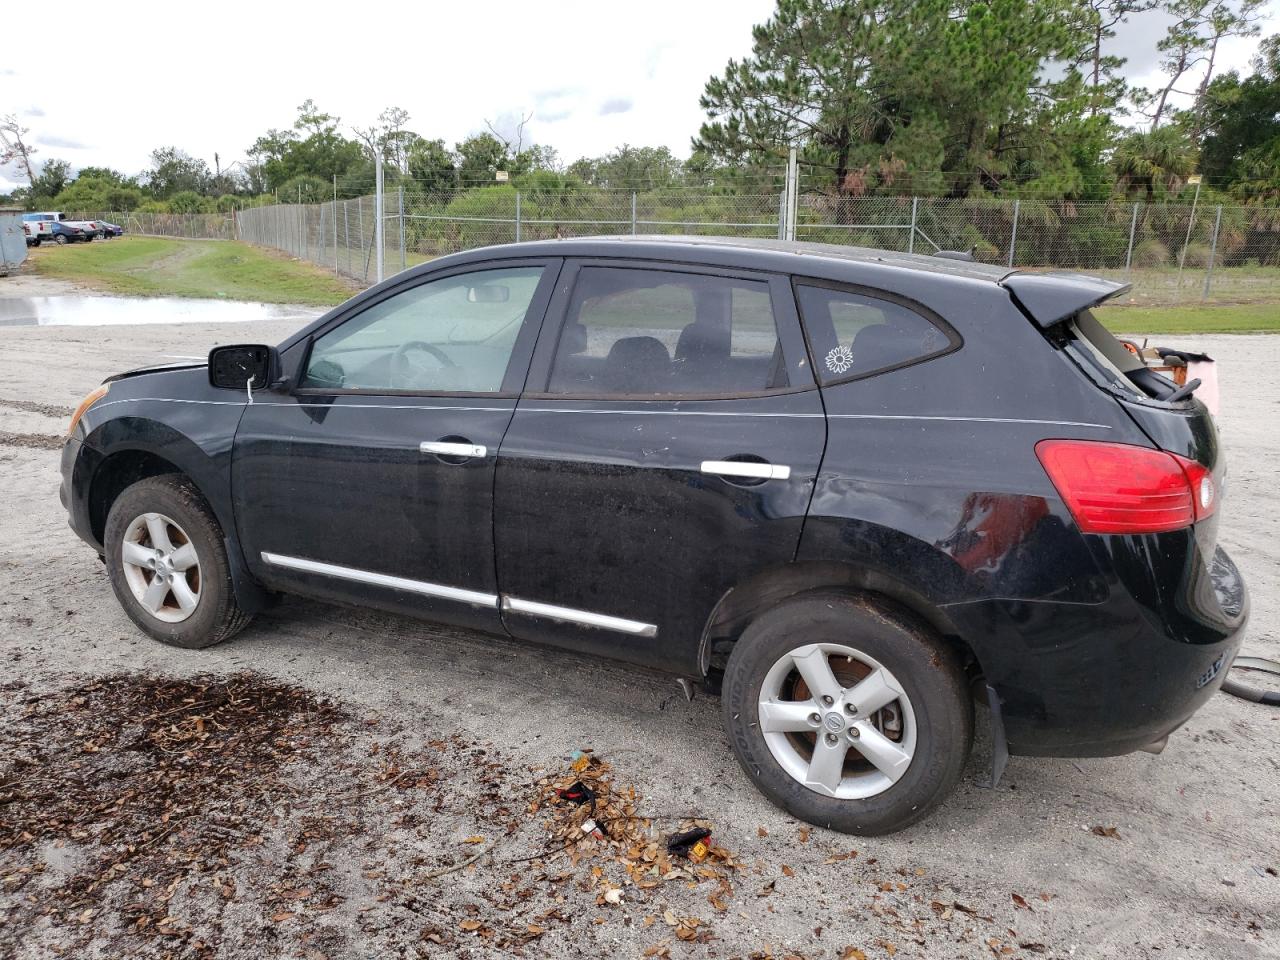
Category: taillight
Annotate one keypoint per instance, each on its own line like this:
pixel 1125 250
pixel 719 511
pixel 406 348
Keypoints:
pixel 1118 488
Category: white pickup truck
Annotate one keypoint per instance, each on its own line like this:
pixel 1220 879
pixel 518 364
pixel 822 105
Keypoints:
pixel 46 225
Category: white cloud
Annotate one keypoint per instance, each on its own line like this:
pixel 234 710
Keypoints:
pixel 616 105
pixel 61 143
pixel 448 69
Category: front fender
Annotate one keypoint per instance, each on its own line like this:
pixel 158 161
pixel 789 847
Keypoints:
pixel 193 436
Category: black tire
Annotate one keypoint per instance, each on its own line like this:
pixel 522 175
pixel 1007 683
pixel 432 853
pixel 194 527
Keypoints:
pixel 60 238
pixel 928 670
pixel 216 616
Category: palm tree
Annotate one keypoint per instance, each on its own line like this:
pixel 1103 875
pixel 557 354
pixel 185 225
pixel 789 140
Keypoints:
pixel 1154 159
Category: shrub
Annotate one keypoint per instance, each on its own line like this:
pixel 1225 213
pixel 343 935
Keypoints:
pixel 1197 255
pixel 1150 253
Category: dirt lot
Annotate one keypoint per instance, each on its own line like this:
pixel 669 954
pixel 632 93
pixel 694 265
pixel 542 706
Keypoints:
pixel 298 791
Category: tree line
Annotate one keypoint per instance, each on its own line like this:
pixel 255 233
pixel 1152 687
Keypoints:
pixel 967 99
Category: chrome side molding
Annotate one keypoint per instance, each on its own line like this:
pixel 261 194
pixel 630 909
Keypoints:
pixel 746 468
pixel 422 587
pixel 586 618
pixel 509 604
pixel 443 448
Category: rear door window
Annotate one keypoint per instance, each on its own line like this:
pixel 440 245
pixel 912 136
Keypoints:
pixel 854 334
pixel 651 333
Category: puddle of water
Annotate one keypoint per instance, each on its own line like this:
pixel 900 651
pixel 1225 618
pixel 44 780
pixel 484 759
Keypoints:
pixel 100 311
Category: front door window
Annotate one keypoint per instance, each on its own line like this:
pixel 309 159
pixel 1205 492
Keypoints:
pixel 453 335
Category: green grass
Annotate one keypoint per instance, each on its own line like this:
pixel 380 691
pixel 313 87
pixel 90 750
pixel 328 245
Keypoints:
pixel 1194 318
pixel 161 267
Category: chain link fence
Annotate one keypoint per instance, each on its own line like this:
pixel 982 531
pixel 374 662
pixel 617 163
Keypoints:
pixel 190 226
pixel 1170 252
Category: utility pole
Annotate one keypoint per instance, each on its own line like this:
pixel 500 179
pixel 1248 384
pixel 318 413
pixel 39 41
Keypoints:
pixel 378 229
pixel 793 193
pixel 1191 222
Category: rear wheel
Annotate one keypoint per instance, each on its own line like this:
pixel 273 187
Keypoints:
pixel 168 564
pixel 60 238
pixel 847 712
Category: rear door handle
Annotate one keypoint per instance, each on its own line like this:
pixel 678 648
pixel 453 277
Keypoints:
pixel 747 468
pixel 446 448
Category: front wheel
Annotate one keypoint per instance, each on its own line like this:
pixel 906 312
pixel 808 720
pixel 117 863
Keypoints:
pixel 168 564
pixel 847 712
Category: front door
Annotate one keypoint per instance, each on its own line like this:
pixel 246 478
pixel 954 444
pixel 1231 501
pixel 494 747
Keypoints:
pixel 372 481
pixel 665 449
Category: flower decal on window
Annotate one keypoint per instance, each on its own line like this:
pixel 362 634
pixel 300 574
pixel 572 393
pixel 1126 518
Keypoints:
pixel 839 359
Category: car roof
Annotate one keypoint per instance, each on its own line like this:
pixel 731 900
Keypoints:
pixel 751 252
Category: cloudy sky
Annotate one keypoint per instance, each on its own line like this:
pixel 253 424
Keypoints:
pixel 122 79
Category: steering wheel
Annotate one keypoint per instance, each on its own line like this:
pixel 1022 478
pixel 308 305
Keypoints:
pixel 402 366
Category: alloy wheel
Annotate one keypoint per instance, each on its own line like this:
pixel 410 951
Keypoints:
pixel 837 721
pixel 161 567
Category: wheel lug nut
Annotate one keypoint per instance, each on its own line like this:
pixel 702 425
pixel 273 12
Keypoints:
pixel 831 739
pixel 815 719
pixel 827 701
pixel 850 709
pixel 853 733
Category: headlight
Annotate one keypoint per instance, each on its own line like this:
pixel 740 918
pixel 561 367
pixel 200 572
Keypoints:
pixel 85 404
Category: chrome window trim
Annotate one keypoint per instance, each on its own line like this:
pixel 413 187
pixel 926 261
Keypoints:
pixel 437 590
pixel 584 618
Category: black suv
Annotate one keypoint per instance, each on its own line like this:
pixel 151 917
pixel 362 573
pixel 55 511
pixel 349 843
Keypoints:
pixel 857 489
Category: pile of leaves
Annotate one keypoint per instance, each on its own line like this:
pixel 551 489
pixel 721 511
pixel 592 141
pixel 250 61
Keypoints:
pixel 631 853
pixel 150 780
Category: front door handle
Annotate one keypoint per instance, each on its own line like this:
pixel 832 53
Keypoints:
pixel 751 469
pixel 448 448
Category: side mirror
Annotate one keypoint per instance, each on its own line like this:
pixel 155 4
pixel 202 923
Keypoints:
pixel 244 366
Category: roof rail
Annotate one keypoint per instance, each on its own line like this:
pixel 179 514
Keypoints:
pixel 967 255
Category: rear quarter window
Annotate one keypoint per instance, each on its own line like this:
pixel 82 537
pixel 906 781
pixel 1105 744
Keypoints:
pixel 855 333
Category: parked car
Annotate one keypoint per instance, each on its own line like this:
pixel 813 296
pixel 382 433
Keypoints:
pixel 33 240
pixel 105 231
pixel 859 489
pixel 66 231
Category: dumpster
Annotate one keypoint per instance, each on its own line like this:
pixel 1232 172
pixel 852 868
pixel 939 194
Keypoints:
pixel 13 242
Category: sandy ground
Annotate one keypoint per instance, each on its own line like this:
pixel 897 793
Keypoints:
pixel 1191 872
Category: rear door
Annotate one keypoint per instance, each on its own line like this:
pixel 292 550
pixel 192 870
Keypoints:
pixel 665 449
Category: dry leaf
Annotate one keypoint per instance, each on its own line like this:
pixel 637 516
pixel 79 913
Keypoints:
pixel 1111 832
pixel 804 834
pixel 787 871
pixel 761 832
pixel 853 953
pixel 469 925
pixel 282 915
pixel 474 839
pixel 1021 902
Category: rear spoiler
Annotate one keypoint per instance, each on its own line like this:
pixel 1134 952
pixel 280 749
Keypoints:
pixel 1049 298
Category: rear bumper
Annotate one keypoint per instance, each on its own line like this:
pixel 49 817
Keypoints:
pixel 1109 678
